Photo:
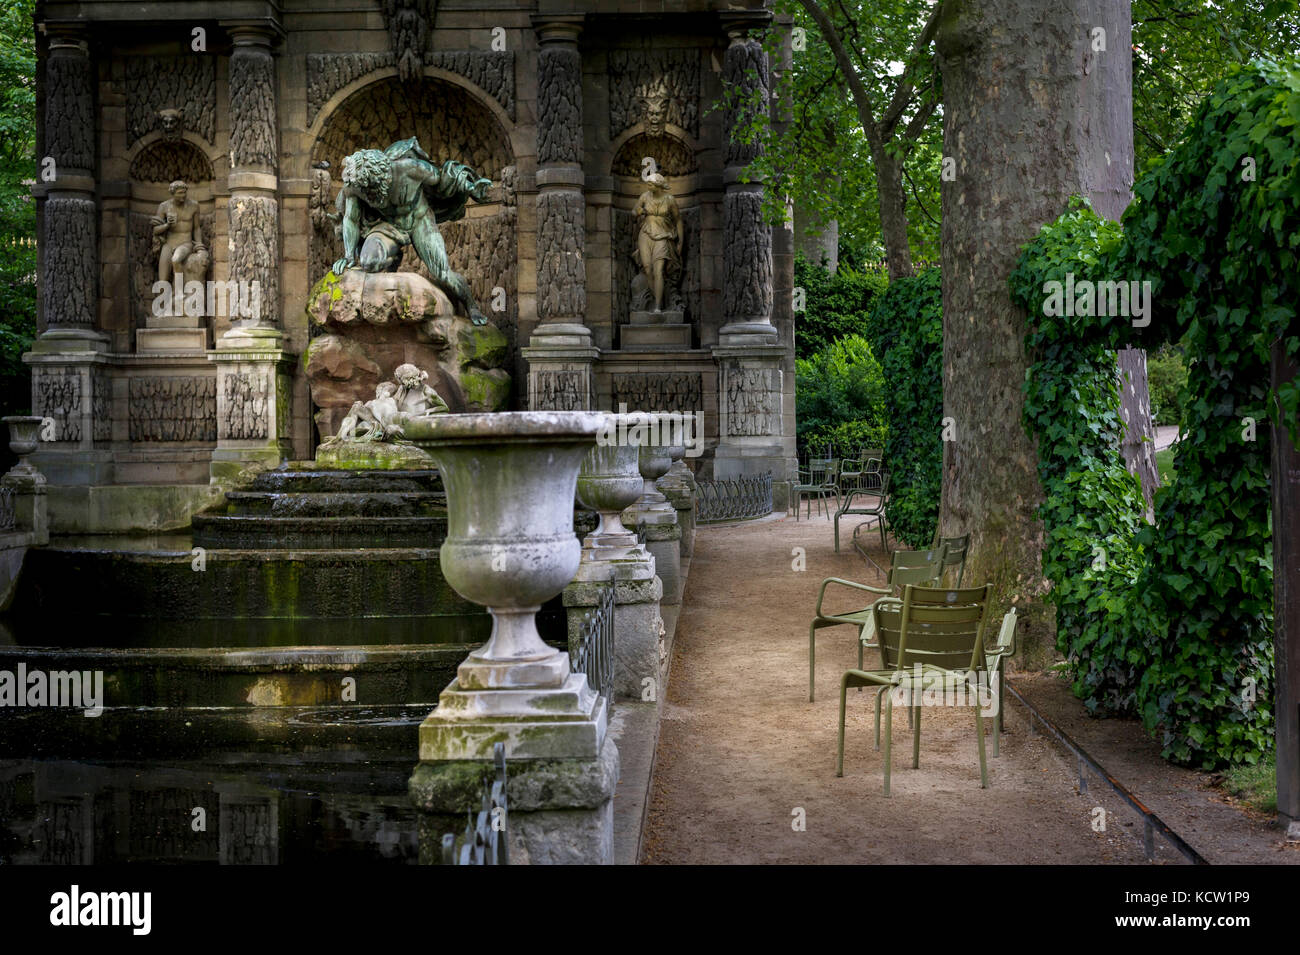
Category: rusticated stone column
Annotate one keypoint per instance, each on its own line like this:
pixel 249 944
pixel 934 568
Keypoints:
pixel 560 353
pixel 254 373
pixel 254 197
pixel 70 253
pixel 750 425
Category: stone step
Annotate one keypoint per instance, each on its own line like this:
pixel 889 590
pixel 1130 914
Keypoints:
pixel 253 532
pixel 293 479
pixel 336 504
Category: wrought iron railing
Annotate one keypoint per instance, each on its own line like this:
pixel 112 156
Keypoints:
pixel 738 499
pixel 7 516
pixel 592 650
pixel 486 838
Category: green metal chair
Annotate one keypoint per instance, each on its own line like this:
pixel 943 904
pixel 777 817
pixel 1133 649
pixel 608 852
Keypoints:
pixel 906 567
pixel 958 547
pixel 863 472
pixel 873 504
pixel 819 480
pixel 932 639
pixel 996 657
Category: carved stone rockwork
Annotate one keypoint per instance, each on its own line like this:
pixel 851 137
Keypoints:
pixel 691 263
pixel 658 391
pixel 246 396
pixel 654 87
pixel 671 156
pixel 70 273
pixel 747 258
pixel 745 69
pixel 158 83
pixel 57 395
pixel 173 408
pixel 559 104
pixel 491 71
pixel 561 270
pixel 556 391
pixel 167 162
pixel 409 24
pixel 445 119
pixel 751 407
pixel 255 248
pixel 69 107
pixel 101 405
pixel 253 125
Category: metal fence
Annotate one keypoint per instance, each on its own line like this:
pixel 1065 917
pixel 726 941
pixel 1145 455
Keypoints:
pixel 739 499
pixel 592 652
pixel 486 838
pixel 7 517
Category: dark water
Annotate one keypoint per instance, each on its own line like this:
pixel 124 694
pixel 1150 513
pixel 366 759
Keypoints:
pixel 207 812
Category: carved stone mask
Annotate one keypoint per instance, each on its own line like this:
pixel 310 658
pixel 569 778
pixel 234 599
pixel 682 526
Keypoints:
pixel 172 124
pixel 655 109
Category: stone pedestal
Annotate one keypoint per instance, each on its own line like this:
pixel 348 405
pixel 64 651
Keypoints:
pixel 750 438
pixel 656 331
pixel 560 358
pixel 682 497
pixel 638 626
pixel 72 392
pixel 254 385
pixel 170 340
pixel 561 811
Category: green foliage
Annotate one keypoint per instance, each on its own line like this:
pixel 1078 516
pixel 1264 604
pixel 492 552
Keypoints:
pixel 17 208
pixel 1173 623
pixel 834 305
pixel 839 394
pixel 906 330
pixel 1167 382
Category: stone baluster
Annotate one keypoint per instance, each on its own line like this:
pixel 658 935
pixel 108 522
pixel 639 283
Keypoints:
pixel 560 352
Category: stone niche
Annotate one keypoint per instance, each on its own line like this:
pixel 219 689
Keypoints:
pixel 366 324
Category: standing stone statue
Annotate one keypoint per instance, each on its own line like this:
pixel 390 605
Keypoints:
pixel 396 197
pixel 177 229
pixel 659 247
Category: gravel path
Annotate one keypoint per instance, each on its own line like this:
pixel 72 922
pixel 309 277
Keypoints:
pixel 743 755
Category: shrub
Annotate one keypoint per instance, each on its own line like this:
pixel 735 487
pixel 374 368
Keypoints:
pixel 840 399
pixel 835 306
pixel 906 331
pixel 1167 382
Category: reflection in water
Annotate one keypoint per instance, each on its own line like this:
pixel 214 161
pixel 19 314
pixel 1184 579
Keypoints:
pixel 81 813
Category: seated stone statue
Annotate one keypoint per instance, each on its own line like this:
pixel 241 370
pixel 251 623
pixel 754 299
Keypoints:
pixel 416 399
pixel 182 256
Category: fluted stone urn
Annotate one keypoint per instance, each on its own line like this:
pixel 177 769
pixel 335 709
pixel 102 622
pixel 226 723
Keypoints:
pixel 24 439
pixel 610 481
pixel 510 479
pixel 653 461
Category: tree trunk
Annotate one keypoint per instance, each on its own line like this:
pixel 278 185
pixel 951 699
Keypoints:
pixel 1029 109
pixel 1138 447
pixel 893 214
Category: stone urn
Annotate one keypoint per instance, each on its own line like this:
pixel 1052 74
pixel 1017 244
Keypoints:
pixel 653 461
pixel 610 480
pixel 510 479
pixel 24 439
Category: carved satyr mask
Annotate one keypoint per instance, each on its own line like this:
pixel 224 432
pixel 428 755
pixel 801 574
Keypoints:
pixel 655 110
pixel 172 124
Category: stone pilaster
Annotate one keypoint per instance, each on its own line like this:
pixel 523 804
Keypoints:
pixel 560 352
pixel 254 204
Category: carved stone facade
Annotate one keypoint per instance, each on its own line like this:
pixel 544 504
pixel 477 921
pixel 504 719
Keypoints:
pixel 491 71
pixel 186 83
pixel 253 123
pixel 409 25
pixel 556 391
pixel 255 248
pixel 561 271
pixel 639 78
pixel 671 156
pixel 751 406
pixel 69 107
pixel 658 391
pixel 747 283
pixel 56 393
pixel 246 397
pixel 173 408
pixel 559 102
pixel 165 162
pixel 71 274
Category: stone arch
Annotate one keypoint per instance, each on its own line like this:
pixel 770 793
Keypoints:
pixel 673 156
pixel 161 160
